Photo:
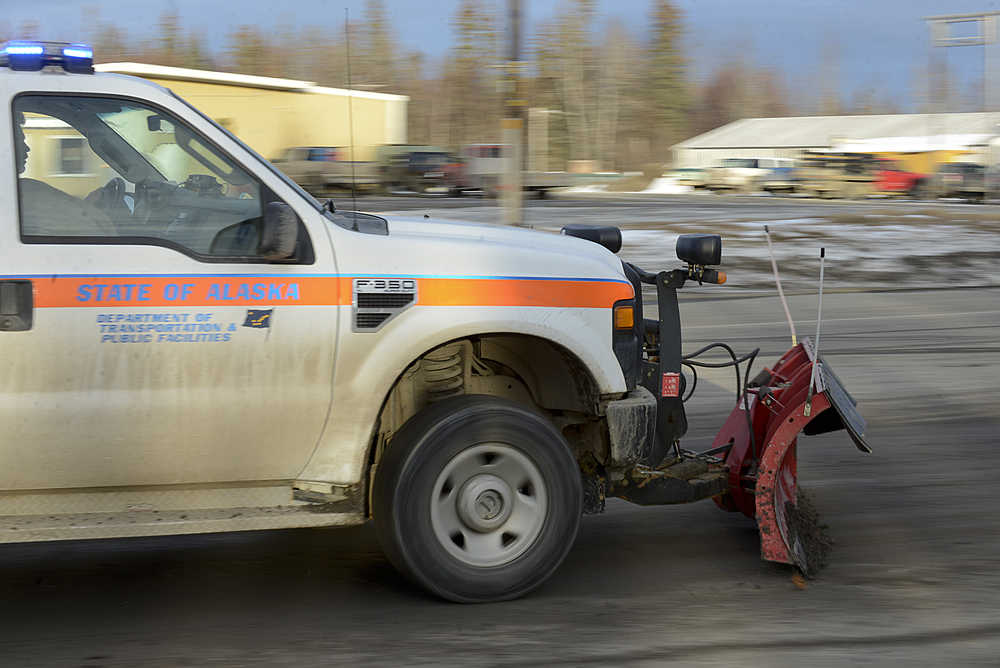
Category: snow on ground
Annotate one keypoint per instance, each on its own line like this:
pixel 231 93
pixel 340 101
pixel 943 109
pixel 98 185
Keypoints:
pixel 867 246
pixel 891 252
pixel 666 185
pixel 593 188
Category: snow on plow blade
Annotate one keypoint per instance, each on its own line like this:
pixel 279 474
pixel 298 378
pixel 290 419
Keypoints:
pixel 761 434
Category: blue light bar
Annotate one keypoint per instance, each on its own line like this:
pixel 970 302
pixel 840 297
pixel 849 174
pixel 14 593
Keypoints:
pixel 78 51
pixel 23 49
pixel 78 58
pixel 33 56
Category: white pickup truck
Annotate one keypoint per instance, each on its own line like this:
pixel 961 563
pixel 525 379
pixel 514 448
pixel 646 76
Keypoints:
pixel 745 175
pixel 192 343
pixel 483 168
pixel 320 170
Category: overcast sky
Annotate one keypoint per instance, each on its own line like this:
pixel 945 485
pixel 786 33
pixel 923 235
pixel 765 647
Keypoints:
pixel 882 43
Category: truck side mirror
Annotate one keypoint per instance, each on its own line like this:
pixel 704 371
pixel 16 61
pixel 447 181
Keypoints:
pixel 700 249
pixel 279 233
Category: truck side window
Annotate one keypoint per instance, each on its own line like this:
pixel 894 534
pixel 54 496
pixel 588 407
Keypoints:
pixel 108 170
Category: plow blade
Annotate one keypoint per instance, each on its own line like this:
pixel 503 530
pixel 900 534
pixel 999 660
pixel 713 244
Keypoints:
pixel 761 435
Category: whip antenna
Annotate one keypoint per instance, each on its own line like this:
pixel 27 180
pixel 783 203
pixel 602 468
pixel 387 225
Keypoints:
pixel 781 293
pixel 819 321
pixel 350 113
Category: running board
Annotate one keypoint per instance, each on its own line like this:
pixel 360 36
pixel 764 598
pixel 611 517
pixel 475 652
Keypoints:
pixel 27 528
pixel 685 480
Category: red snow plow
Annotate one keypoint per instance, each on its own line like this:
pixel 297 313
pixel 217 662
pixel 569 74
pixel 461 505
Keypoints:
pixel 758 445
pixel 751 466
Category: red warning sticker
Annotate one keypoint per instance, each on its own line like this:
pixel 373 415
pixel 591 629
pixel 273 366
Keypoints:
pixel 671 385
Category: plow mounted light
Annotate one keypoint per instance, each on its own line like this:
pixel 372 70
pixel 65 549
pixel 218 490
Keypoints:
pixel 700 249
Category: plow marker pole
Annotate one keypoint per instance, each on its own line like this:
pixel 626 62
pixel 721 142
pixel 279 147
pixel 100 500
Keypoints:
pixel 819 323
pixel 777 281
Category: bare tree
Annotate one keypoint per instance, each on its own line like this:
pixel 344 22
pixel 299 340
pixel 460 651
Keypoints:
pixel 667 77
pixel 470 75
pixel 376 54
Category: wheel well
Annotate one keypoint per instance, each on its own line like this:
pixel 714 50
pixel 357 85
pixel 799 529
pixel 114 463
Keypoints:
pixel 526 369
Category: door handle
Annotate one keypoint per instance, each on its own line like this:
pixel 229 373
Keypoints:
pixel 17 306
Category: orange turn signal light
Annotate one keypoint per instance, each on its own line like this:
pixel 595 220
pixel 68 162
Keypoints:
pixel 722 277
pixel 624 316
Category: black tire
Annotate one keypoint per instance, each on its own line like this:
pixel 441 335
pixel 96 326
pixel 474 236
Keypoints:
pixel 412 468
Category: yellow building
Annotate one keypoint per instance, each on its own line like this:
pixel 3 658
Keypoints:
pixel 271 114
pixel 61 157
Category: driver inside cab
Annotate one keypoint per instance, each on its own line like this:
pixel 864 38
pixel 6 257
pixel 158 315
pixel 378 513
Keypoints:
pixel 48 211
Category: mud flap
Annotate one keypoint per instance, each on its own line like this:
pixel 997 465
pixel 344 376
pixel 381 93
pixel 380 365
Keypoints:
pixel 762 445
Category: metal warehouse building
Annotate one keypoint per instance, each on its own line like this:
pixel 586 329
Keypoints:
pixel 789 137
pixel 272 114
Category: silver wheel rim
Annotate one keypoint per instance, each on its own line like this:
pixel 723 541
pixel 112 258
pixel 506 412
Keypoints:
pixel 488 505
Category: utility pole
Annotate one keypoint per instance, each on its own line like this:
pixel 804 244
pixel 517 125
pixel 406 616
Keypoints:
pixel 512 188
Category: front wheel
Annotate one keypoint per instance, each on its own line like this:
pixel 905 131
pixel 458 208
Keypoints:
pixel 477 499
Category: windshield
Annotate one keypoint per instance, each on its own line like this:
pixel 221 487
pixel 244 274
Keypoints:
pixel 172 150
pixel 277 172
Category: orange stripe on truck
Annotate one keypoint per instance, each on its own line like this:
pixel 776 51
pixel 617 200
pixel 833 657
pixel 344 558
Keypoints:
pixel 203 291
pixel 520 292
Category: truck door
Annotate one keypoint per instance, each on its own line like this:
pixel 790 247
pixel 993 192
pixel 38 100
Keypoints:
pixel 157 343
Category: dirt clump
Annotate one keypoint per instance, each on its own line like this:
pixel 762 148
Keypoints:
pixel 807 537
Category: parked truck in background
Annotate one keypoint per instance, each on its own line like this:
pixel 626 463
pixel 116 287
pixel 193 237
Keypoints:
pixel 744 175
pixel 837 175
pixel 965 180
pixel 406 168
pixel 892 178
pixel 322 171
pixel 483 169
pixel 692 177
pixel 782 180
